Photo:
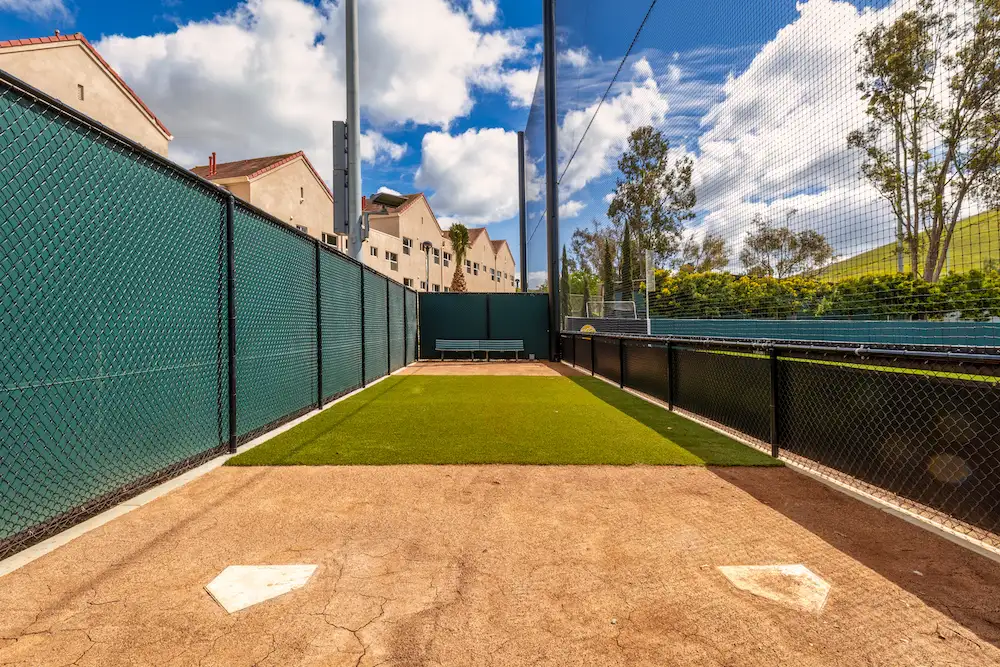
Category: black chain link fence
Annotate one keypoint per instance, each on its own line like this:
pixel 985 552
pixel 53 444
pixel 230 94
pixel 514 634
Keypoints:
pixel 916 428
pixel 123 362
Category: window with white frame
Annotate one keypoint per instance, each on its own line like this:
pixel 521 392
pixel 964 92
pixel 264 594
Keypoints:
pixel 393 260
pixel 407 245
pixel 302 228
pixel 493 274
pixel 437 255
pixel 330 239
pixel 423 285
pixel 447 259
pixel 437 288
pixel 374 251
pixel 468 266
pixel 475 269
pixel 447 289
pixel 408 282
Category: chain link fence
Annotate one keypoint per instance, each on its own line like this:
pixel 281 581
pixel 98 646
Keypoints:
pixel 917 429
pixel 149 322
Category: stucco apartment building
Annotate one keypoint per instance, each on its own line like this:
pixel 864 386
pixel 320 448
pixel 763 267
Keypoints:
pixel 70 69
pixel 405 243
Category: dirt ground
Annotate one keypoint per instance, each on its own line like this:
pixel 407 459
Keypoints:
pixel 502 565
pixel 529 368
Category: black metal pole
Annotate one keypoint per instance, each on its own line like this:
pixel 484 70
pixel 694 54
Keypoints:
pixel 319 334
pixel 231 334
pixel 388 331
pixel 522 202
pixel 670 376
pixel 363 381
pixel 621 363
pixel 551 175
pixel 774 402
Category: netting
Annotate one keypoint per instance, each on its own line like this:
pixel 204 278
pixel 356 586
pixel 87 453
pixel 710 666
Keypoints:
pixel 410 301
pixel 917 430
pixel 397 338
pixel 114 319
pixel 823 161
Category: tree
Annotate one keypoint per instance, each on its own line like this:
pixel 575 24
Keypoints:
pixel 564 286
pixel 626 266
pixel 652 198
pixel 608 269
pixel 932 85
pixel 460 244
pixel 779 252
pixel 708 255
pixel 586 298
pixel 587 245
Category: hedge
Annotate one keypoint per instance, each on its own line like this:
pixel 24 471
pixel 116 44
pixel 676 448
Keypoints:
pixel 976 295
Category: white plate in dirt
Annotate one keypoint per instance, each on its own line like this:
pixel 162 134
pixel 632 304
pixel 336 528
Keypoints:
pixel 792 585
pixel 241 586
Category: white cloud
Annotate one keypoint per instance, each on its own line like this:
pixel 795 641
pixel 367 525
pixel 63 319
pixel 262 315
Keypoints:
pixel 778 140
pixel 483 12
pixel 578 58
pixel 520 86
pixel 37 9
pixel 388 191
pixel 375 147
pixel 267 77
pixel 570 209
pixel 638 103
pixel 473 174
pixel 536 278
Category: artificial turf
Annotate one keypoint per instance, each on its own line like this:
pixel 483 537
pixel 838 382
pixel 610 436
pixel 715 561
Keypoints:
pixel 477 419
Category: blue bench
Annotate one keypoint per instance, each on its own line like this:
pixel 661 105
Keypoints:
pixel 443 345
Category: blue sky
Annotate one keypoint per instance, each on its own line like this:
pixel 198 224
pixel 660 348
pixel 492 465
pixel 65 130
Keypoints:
pixel 759 92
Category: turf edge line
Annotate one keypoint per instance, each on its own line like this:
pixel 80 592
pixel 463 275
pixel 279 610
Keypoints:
pixel 961 539
pixel 36 551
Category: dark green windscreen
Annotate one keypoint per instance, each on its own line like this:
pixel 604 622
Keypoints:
pixel 376 335
pixel 340 299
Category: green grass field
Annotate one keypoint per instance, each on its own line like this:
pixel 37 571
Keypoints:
pixel 976 241
pixel 521 420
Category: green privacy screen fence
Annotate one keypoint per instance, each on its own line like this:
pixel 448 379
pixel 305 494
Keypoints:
pixel 484 316
pixel 142 308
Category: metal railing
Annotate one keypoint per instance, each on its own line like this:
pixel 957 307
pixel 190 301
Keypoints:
pixel 916 428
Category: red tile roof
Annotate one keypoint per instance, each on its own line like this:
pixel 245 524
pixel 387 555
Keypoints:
pixel 255 167
pixel 78 37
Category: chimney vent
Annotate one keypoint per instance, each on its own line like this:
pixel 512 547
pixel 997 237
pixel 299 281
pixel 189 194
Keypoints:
pixel 211 165
pixel 57 33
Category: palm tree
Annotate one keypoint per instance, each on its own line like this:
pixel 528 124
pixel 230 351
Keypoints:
pixel 460 244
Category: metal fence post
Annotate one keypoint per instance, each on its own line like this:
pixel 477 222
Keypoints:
pixel 774 401
pixel 621 363
pixel 593 355
pixel 319 334
pixel 388 330
pixel 670 375
pixel 364 382
pixel 231 333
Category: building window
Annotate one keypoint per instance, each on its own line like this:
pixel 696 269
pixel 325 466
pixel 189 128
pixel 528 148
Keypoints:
pixel 393 260
pixel 302 194
pixel 408 282
pixel 302 228
pixel 468 266
pixel 493 274
pixel 423 285
pixel 407 245
pixel 447 259
pixel 447 289
pixel 437 256
pixel 437 288
pixel 330 239
pixel 79 92
pixel 505 275
pixel 475 269
pixel 374 251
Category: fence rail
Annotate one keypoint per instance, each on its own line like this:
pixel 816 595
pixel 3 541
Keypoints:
pixel 150 321
pixel 918 429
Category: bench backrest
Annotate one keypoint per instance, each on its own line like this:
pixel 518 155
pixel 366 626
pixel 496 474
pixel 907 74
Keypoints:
pixel 445 345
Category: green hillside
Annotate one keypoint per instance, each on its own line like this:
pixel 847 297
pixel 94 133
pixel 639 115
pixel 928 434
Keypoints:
pixel 976 241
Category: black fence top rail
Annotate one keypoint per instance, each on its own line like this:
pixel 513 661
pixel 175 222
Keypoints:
pixel 40 96
pixel 860 351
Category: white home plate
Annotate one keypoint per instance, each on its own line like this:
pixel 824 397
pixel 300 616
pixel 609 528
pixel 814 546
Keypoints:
pixel 242 586
pixel 793 585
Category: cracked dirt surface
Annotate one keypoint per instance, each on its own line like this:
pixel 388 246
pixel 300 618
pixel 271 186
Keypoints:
pixel 497 565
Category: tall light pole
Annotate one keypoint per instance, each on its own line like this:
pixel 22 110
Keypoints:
pixel 355 236
pixel 551 175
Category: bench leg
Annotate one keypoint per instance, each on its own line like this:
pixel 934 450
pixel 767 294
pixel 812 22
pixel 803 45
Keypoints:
pixel 487 355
